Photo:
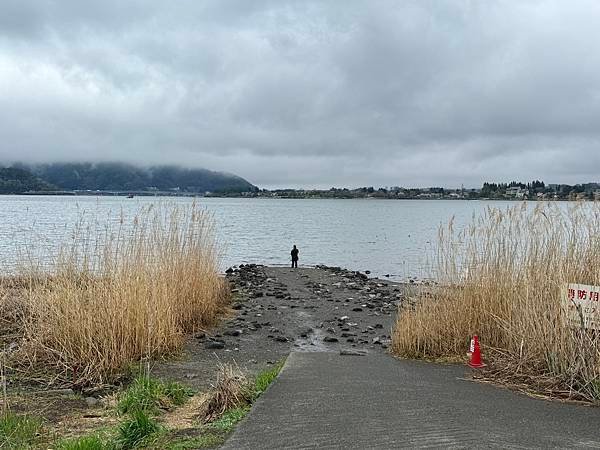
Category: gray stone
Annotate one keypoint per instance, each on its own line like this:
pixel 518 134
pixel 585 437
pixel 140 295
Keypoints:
pixel 214 345
pixel 91 401
pixel 233 333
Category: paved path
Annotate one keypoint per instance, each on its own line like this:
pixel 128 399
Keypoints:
pixel 325 400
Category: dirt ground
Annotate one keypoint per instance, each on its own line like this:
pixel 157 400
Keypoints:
pixel 277 310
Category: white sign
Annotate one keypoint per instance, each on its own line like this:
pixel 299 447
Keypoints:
pixel 582 302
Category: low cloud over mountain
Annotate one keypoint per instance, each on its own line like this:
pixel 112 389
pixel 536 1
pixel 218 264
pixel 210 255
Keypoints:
pixel 310 93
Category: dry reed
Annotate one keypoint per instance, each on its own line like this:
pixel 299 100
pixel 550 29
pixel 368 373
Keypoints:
pixel 504 278
pixel 231 390
pixel 120 292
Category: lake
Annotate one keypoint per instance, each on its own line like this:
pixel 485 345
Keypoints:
pixel 395 237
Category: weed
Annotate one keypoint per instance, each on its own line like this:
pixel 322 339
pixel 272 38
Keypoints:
pixel 83 443
pixel 18 431
pixel 149 395
pixel 205 440
pixel 137 430
pixel 229 419
pixel 264 379
pixel 230 391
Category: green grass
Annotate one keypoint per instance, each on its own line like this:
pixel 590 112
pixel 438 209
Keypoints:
pixel 137 431
pixel 84 443
pixel 18 431
pixel 151 395
pixel 206 440
pixel 144 399
pixel 229 419
pixel 264 379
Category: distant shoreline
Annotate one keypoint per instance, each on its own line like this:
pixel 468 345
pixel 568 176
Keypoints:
pixel 281 197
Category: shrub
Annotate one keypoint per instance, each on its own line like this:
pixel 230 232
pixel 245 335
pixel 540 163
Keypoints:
pixel 229 392
pixel 126 292
pixel 503 278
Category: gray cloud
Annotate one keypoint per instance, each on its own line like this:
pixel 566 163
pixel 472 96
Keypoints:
pixel 307 93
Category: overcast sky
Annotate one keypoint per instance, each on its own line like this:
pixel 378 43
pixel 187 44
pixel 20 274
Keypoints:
pixel 308 94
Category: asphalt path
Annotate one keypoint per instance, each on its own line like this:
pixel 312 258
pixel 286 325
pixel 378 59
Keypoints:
pixel 328 400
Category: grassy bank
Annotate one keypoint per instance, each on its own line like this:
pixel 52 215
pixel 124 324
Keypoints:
pixel 503 278
pixel 120 291
pixel 149 414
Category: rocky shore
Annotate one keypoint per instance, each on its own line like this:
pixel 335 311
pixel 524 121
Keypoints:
pixel 277 310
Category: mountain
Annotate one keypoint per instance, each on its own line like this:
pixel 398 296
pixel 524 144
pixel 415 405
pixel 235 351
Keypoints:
pixel 126 177
pixel 18 181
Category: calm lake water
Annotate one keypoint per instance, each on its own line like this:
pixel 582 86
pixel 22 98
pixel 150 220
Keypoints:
pixel 395 237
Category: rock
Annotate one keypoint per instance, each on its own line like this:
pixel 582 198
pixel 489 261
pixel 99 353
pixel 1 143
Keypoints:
pixel 281 339
pixel 344 318
pixel 306 332
pixel 229 271
pixel 357 309
pixel 330 339
pixel 214 345
pixel 190 376
pixel 378 325
pixel 233 333
pixel 368 272
pixel 345 335
pixel 376 341
pixel 91 401
pixel 353 352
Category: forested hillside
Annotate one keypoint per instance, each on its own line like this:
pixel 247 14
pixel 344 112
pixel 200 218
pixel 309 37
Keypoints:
pixel 17 181
pixel 125 177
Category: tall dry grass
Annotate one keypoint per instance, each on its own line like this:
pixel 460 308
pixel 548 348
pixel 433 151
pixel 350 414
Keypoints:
pixel 503 278
pixel 122 291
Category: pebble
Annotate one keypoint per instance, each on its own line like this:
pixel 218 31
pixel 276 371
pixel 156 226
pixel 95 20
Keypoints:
pixel 91 401
pixel 353 353
pixel 214 345
pixel 233 333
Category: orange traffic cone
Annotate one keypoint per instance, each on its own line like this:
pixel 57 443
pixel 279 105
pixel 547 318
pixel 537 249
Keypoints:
pixel 475 361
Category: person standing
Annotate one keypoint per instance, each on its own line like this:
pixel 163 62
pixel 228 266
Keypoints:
pixel 295 257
